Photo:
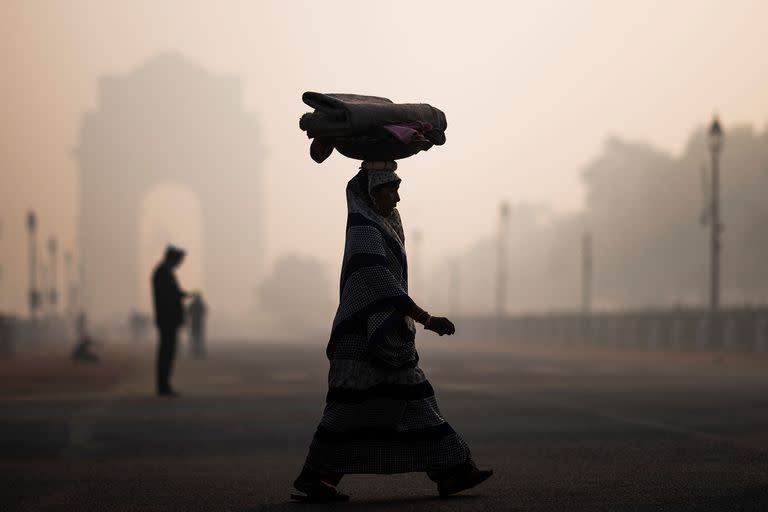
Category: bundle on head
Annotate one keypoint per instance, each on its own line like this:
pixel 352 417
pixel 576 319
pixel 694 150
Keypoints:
pixel 370 127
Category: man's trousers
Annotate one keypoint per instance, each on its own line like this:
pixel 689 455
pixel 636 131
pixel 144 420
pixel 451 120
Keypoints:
pixel 166 350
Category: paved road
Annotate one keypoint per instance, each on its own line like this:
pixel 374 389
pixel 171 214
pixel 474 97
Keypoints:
pixel 563 429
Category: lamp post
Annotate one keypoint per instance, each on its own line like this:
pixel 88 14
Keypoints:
pixel 715 142
pixel 43 291
pixel 34 296
pixel 67 290
pixel 501 261
pixel 586 273
pixel 586 285
pixel 53 289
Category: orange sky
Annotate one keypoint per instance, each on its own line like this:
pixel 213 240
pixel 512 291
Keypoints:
pixel 531 89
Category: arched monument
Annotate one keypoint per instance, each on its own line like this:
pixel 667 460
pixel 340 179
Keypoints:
pixel 169 121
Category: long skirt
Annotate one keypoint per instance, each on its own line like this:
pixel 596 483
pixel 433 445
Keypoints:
pixel 380 420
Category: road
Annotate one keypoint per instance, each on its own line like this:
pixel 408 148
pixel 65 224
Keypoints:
pixel 563 428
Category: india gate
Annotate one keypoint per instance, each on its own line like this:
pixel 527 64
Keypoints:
pixel 169 122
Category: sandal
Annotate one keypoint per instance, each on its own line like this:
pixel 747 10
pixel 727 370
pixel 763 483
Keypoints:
pixel 317 492
pixel 462 481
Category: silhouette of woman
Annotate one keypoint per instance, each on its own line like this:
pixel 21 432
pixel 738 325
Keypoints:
pixel 381 415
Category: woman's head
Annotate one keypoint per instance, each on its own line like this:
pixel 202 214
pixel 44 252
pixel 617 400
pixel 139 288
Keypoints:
pixel 385 197
pixel 383 184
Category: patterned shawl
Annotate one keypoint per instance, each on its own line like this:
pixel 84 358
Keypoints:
pixel 369 322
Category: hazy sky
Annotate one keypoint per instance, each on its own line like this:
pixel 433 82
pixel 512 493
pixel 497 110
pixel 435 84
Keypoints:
pixel 530 89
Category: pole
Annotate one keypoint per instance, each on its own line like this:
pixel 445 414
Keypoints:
pixel 715 246
pixel 53 290
pixel 80 289
pixel 33 297
pixel 44 304
pixel 586 273
pixel 67 290
pixel 501 261
pixel 586 286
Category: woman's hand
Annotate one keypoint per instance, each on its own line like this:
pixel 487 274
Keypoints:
pixel 440 325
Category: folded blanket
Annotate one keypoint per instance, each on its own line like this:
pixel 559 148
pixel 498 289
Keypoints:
pixel 346 115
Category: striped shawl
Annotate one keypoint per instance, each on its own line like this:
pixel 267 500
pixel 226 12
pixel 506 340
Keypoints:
pixel 369 322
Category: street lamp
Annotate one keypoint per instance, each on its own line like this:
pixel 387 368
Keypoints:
pixel 586 273
pixel 67 290
pixel 715 143
pixel 501 261
pixel 34 296
pixel 586 285
pixel 53 291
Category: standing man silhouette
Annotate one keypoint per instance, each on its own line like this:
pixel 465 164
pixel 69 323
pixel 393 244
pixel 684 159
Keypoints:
pixel 169 315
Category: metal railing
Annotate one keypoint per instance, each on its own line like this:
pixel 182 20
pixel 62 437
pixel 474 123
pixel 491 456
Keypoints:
pixel 743 329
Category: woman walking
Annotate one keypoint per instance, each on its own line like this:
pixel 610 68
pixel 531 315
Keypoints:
pixel 381 415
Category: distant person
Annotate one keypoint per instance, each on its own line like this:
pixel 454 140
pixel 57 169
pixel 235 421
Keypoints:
pixel 169 316
pixel 139 323
pixel 84 347
pixel 196 314
pixel 381 415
